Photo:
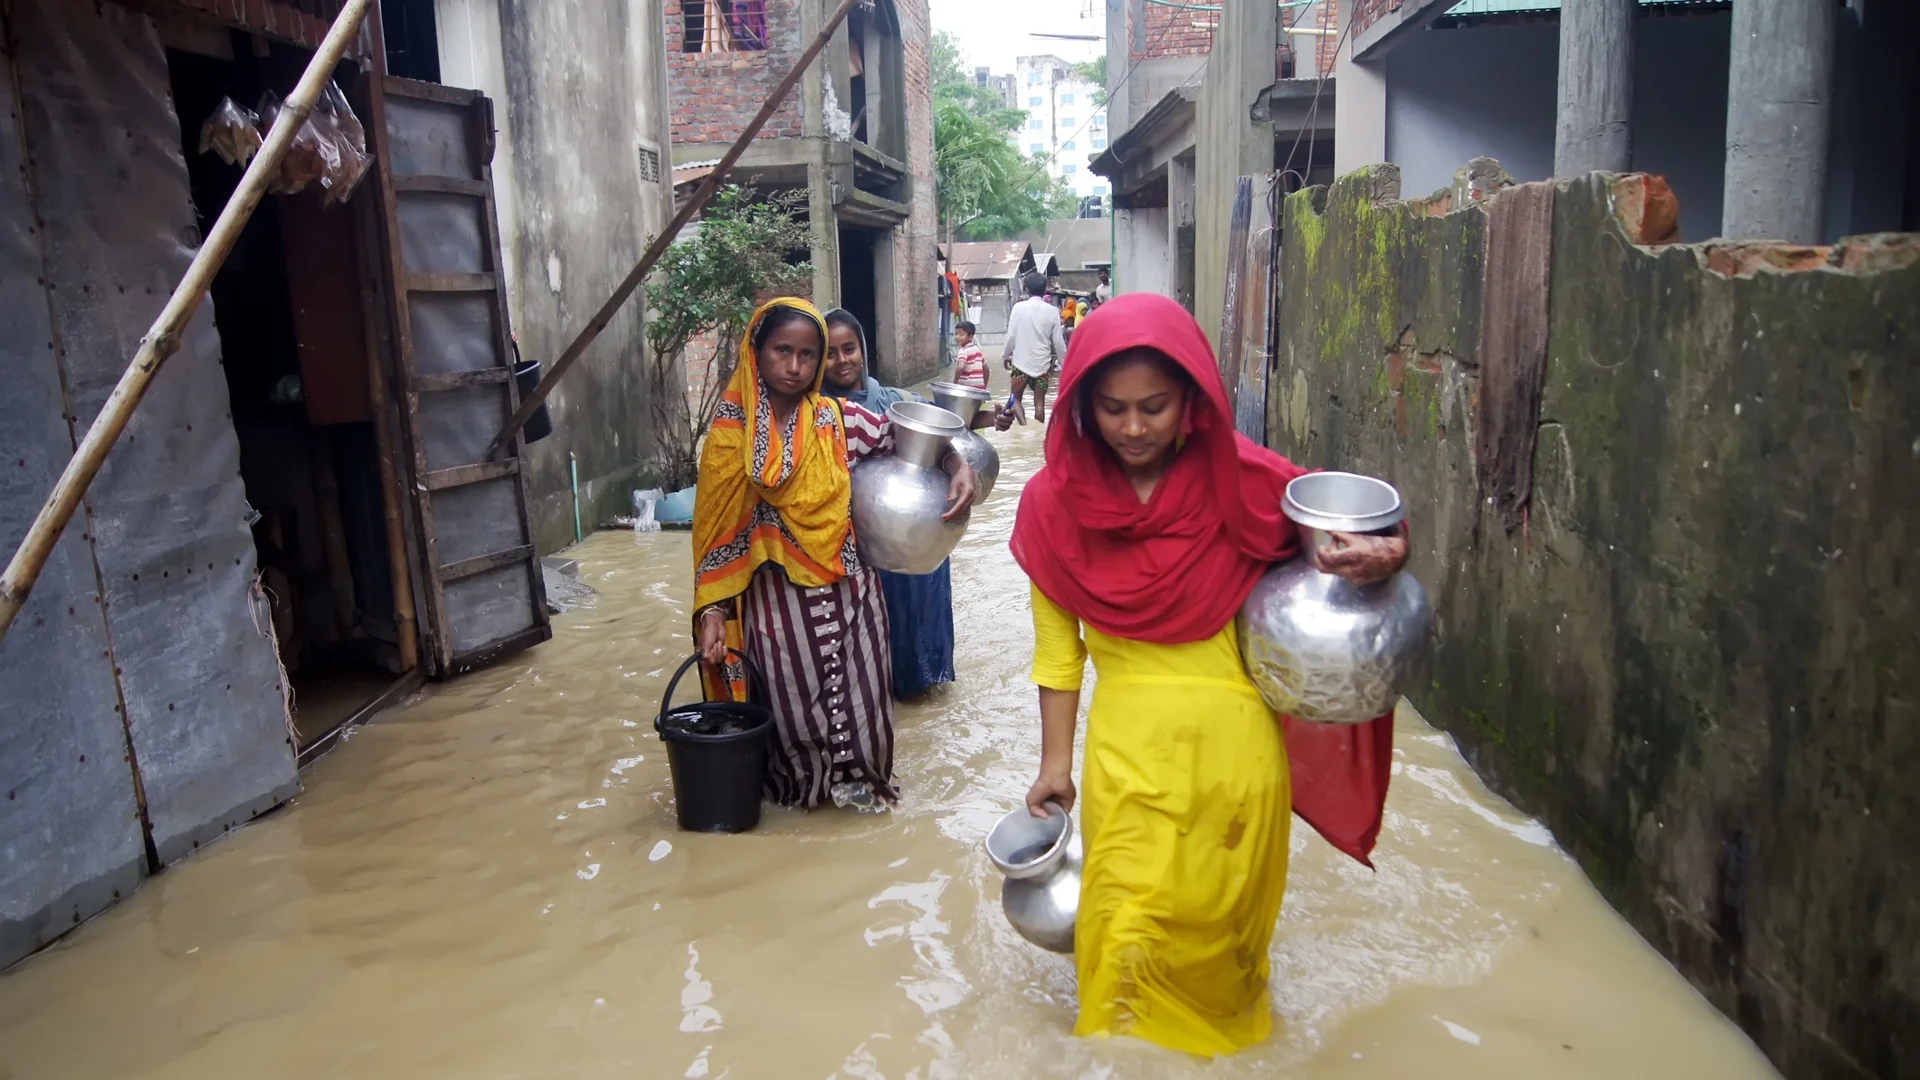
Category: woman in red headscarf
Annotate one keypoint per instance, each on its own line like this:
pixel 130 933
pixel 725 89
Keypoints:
pixel 1143 535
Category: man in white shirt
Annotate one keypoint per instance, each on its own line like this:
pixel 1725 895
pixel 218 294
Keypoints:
pixel 1035 346
pixel 1104 291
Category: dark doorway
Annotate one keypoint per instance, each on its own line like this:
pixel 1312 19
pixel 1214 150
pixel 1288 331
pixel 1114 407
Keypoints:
pixel 293 346
pixel 858 293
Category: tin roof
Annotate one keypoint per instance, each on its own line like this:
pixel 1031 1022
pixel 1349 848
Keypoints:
pixel 996 261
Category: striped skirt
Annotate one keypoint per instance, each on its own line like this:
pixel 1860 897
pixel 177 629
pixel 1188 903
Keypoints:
pixel 824 653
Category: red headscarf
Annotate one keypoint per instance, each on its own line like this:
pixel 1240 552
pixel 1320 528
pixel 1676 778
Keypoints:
pixel 1178 567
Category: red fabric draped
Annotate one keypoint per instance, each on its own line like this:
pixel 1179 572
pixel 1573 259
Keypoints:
pixel 1177 568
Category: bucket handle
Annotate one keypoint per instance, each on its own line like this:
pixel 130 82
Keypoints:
pixel 756 686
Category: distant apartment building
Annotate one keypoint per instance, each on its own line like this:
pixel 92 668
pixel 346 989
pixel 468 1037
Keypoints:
pixel 1007 86
pixel 1066 124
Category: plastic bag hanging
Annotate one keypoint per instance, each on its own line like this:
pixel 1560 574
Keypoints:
pixel 349 138
pixel 231 132
pixel 309 157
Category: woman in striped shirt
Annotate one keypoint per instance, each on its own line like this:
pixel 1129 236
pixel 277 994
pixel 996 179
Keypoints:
pixel 777 570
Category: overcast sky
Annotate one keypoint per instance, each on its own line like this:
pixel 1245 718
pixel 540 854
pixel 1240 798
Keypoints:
pixel 994 33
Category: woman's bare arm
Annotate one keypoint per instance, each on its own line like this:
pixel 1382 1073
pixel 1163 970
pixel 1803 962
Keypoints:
pixel 1059 713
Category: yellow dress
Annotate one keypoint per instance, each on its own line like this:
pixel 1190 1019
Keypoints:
pixel 1185 806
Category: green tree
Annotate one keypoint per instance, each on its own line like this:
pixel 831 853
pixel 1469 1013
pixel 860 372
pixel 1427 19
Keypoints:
pixel 987 189
pixel 711 280
pixel 1095 73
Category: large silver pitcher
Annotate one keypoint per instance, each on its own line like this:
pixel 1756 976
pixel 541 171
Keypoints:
pixel 1318 647
pixel 898 499
pixel 965 402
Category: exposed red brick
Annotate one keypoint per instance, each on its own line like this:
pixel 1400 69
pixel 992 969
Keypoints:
pixel 1881 251
pixel 1368 12
pixel 715 94
pixel 1747 259
pixel 1646 208
pixel 1172 31
pixel 1326 46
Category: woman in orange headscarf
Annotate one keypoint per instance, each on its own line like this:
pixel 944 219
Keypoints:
pixel 777 570
pixel 1143 535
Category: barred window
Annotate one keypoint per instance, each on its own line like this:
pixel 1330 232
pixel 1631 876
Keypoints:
pixel 715 26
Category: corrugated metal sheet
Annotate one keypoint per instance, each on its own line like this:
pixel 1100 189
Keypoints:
pixel 190 632
pixel 70 820
pixel 990 261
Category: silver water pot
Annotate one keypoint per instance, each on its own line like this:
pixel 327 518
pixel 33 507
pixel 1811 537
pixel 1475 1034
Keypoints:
pixel 1318 647
pixel 965 402
pixel 1041 858
pixel 898 498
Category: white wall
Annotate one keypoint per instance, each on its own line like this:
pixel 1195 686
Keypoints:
pixel 579 87
pixel 1144 257
pixel 1484 91
pixel 1453 95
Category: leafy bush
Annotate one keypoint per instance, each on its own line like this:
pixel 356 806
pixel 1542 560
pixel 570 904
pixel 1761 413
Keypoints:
pixel 711 280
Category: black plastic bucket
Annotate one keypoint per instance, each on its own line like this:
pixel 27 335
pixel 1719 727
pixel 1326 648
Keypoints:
pixel 717 753
pixel 527 376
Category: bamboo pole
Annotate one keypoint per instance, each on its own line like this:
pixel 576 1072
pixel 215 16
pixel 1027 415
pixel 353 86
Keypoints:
pixel 701 196
pixel 163 339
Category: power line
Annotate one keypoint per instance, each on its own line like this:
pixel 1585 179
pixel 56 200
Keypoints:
pixel 1313 109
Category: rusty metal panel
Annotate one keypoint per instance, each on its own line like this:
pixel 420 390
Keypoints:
pixel 68 809
pixel 203 692
pixel 323 288
pixel 484 589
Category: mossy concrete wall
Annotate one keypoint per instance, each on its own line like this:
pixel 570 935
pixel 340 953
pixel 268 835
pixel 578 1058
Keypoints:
pixel 1698 660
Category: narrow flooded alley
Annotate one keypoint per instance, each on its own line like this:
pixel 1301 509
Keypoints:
pixel 488 883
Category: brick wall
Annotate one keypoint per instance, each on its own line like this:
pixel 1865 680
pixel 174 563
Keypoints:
pixel 1368 12
pixel 1171 31
pixel 1327 47
pixel 715 94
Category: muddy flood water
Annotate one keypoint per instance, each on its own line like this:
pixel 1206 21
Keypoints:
pixel 488 883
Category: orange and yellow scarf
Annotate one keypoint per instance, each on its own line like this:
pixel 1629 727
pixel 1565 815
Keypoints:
pixel 768 492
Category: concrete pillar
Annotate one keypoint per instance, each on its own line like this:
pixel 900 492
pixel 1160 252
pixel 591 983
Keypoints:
pixel 825 225
pixel 1229 143
pixel 1181 218
pixel 1596 87
pixel 1779 119
pixel 1360 120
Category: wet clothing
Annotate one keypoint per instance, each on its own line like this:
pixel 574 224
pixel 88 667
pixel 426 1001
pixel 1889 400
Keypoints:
pixel 824 654
pixel 919 607
pixel 774 549
pixel 920 625
pixel 1176 568
pixel 1185 814
pixel 1187 782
